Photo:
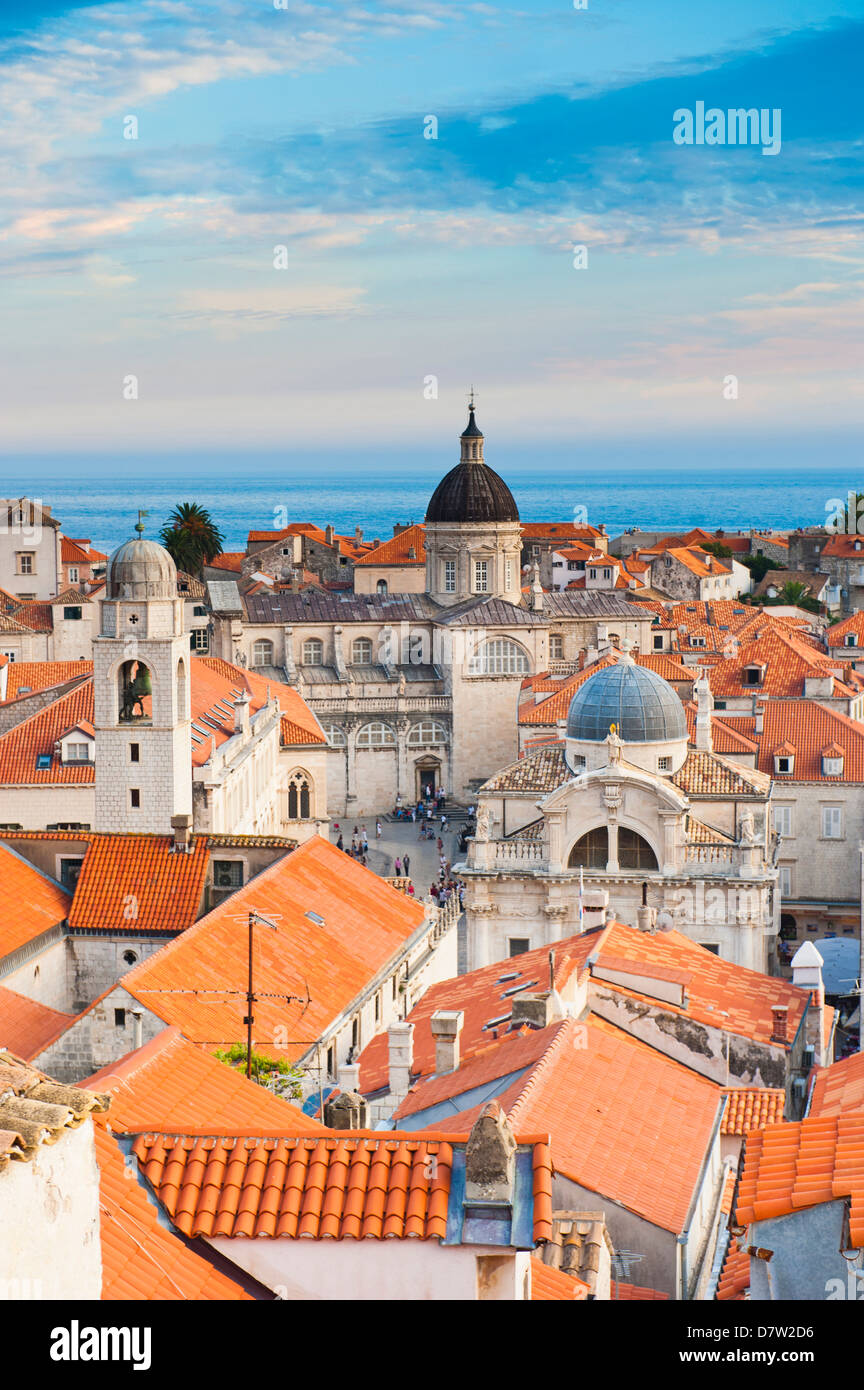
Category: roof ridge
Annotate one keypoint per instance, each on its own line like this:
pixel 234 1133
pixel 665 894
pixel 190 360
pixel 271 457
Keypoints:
pixel 563 1031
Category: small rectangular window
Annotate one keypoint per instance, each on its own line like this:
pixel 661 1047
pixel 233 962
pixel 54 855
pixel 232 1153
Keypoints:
pixel 658 644
pixel 134 752
pixel 518 945
pixel 134 796
pixel 449 576
pixel 43 761
pixel 119 1018
pixel 832 823
pixel 481 576
pixel 228 873
pixel 664 764
pixel 72 614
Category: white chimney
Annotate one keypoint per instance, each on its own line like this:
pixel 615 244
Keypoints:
pixel 241 712
pixel 138 1016
pixel 446 1025
pixel 704 711
pixel 400 1057
pixel 807 974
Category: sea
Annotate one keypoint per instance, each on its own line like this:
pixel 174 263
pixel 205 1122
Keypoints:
pixel 104 509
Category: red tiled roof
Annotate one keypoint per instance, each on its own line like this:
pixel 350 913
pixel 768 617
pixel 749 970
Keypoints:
pixel 395 551
pixel 197 979
pixel 214 684
pixel 838 1088
pixel 624 1121
pixel 27 1027
pixel 36 615
pixel 139 883
pixel 353 1184
pixel 40 675
pixel 37 735
pixel 735 1276
pixel 635 1293
pixel 231 560
pixel 73 552
pixel 140 1259
pixel 748 1108
pixel 787 661
pixel 846 546
pixel 170 1084
pixel 552 1285
pixel 791 1166
pixel 32 902
pixel 808 728
pixel 727 737
pixel 550 530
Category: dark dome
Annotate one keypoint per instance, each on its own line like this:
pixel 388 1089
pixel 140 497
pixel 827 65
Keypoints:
pixel 472 492
pixel 641 705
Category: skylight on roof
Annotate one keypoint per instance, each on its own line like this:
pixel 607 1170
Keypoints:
pixel 514 975
pixel 316 918
pixel 43 760
pixel 495 1022
pixel 515 989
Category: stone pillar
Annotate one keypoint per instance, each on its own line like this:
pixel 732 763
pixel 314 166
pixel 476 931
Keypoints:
pixel 555 830
pixel 408 793
pixel 288 660
pixel 351 761
pixel 612 866
pixel 670 822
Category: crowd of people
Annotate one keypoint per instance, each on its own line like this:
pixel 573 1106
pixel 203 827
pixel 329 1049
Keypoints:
pixel 430 814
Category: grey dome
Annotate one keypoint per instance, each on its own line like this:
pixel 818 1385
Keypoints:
pixel 641 705
pixel 472 491
pixel 141 569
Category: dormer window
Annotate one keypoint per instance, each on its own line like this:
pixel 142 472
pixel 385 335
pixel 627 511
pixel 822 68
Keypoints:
pixel 753 675
pixel 832 762
pixel 851 640
pixel 783 764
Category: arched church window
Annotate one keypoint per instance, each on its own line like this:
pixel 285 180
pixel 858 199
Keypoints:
pixel 262 652
pixel 298 797
pixel 376 735
pixel 426 734
pixel 135 691
pixel 591 851
pixel 335 735
pixel 500 657
pixel 381 588
pixel 313 652
pixel 361 651
pixel 634 852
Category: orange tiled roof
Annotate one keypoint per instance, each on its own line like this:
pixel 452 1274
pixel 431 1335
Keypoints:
pixel 214 683
pixel 727 736
pixel 809 729
pixel 787 661
pixel 27 1027
pixel 36 615
pixel 734 1281
pixel 635 1293
pixel 353 1184
pixel 838 1088
pixel 139 883
pixel 40 675
pixel 37 735
pixel 329 962
pixel 790 1166
pixel 552 1285
pixel 709 774
pixel 231 560
pixel 748 1108
pixel 559 692
pixel 595 1085
pixel 704 566
pixel 73 552
pixel 32 902
pixel 549 530
pixel 846 546
pixel 140 1259
pixel 170 1084
pixel 395 551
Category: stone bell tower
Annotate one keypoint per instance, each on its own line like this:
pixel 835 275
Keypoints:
pixel 141 688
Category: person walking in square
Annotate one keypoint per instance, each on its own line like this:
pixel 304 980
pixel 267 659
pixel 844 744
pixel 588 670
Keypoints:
pixel 377 830
pixel 398 867
pixel 405 863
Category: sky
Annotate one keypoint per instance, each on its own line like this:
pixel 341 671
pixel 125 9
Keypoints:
pixel 147 312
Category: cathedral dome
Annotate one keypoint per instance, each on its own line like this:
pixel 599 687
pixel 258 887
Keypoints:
pixel 141 569
pixel 472 491
pixel 641 705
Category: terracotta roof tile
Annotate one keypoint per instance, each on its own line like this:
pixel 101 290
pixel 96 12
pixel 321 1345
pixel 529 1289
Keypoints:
pixel 35 737
pixel 709 774
pixel 809 728
pixel 32 902
pixel 548 1285
pixel 838 1088
pixel 395 551
pixel 790 1166
pixel 734 1284
pixel 40 675
pixel 787 661
pixel 750 1108
pixel 170 1084
pixel 635 1293
pixel 141 1260
pixel 139 883
pixel 363 925
pixel 27 1027
pixel 541 771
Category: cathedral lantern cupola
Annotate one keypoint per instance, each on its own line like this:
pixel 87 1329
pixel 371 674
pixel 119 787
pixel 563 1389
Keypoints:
pixel 473 537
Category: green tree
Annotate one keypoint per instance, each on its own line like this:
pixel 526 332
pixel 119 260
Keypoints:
pixel 793 592
pixel 723 552
pixel 273 1072
pixel 191 537
pixel 759 565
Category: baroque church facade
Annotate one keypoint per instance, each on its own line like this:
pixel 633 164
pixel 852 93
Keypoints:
pixel 623 817
pixel 415 689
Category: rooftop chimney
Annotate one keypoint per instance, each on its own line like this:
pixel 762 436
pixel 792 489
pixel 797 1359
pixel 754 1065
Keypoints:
pixel 358 535
pixel 446 1025
pixel 490 1158
pixel 400 1054
pixel 330 534
pixel 182 829
pixel 535 1010
pixel 348 1110
pixel 760 719
pixel 780 1023
pixel 704 710
pixel 807 974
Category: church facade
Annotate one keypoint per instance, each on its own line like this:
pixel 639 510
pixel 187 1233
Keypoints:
pixel 624 817
pixel 416 689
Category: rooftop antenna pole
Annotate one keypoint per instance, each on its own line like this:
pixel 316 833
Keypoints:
pixel 551 971
pixel 250 993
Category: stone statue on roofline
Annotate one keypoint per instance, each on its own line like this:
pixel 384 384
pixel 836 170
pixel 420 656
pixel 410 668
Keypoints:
pixel 484 823
pixel 613 743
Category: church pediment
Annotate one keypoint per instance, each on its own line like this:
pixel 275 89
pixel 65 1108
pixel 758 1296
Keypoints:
pixel 622 775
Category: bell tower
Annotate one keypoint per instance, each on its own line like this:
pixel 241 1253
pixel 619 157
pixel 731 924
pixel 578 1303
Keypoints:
pixel 141 688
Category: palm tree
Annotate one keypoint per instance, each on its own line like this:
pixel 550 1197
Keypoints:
pixel 191 537
pixel 793 592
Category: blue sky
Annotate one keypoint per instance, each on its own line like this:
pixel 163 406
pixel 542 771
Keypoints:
pixel 409 258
